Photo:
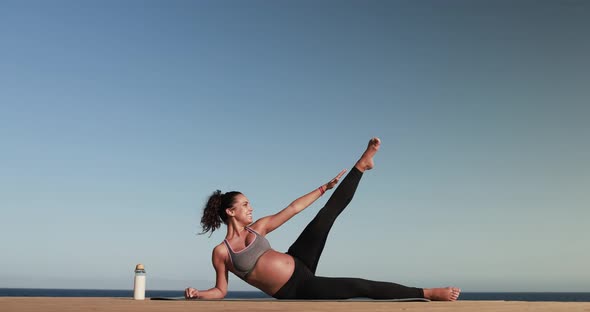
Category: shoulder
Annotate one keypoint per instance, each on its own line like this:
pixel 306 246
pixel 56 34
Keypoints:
pixel 220 255
pixel 220 251
pixel 259 227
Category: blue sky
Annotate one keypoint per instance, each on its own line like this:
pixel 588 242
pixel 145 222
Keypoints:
pixel 119 118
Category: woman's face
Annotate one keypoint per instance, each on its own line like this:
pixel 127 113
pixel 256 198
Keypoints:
pixel 241 209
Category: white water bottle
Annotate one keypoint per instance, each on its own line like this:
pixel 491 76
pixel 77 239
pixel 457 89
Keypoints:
pixel 139 283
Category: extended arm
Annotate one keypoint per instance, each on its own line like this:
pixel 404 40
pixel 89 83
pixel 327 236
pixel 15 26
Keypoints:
pixel 220 289
pixel 268 224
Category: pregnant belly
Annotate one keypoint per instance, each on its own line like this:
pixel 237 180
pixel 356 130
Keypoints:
pixel 272 271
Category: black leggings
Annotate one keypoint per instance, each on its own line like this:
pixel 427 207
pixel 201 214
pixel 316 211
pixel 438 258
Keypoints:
pixel 308 247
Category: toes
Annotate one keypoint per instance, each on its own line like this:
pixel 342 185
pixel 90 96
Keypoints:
pixel 375 141
pixel 455 293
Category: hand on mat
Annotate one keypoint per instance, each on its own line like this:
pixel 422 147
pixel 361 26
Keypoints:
pixel 191 293
pixel 334 181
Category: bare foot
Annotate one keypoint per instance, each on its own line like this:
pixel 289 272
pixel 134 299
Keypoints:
pixel 366 160
pixel 442 294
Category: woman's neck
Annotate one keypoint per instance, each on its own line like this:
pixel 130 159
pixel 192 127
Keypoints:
pixel 235 229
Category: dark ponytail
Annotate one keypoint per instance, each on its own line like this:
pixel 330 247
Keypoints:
pixel 214 212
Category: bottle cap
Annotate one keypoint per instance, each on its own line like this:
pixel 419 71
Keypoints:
pixel 139 267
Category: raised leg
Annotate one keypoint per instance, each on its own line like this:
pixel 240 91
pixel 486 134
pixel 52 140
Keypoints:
pixel 309 245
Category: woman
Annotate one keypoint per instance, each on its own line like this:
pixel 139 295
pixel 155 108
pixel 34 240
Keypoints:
pixel 246 252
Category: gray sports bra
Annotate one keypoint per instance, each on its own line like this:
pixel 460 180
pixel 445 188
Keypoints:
pixel 245 260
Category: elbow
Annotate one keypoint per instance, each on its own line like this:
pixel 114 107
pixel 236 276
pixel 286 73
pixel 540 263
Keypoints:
pixel 295 209
pixel 221 294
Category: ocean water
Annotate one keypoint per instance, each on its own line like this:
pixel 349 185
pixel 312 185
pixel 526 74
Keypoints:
pixel 508 296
